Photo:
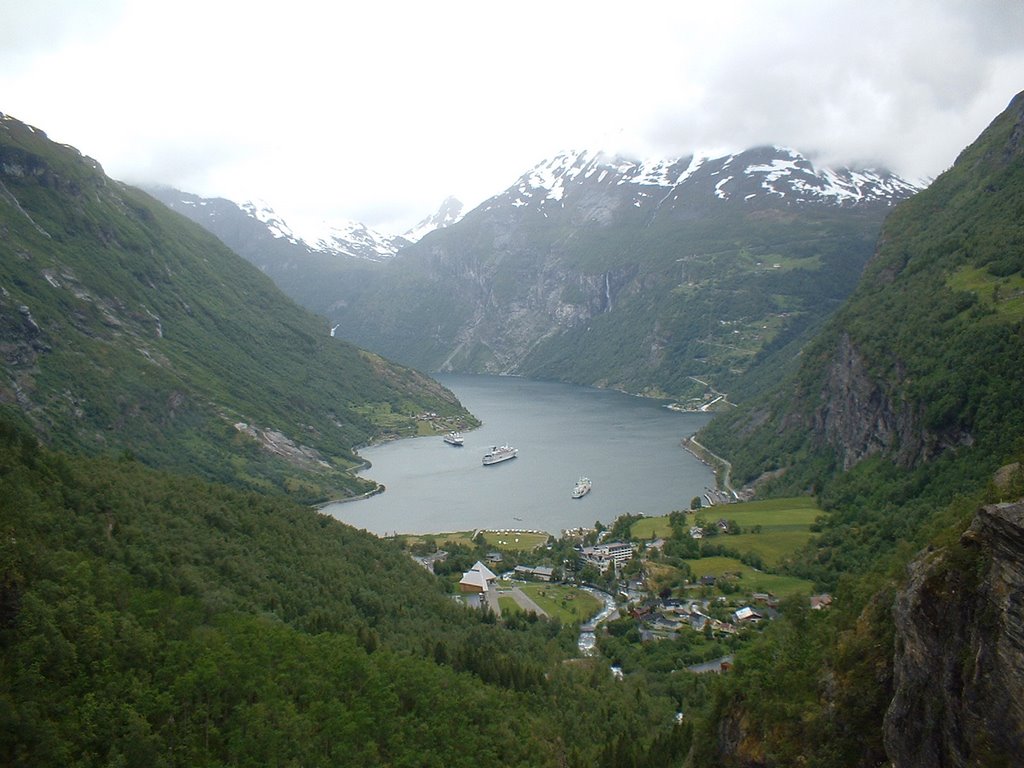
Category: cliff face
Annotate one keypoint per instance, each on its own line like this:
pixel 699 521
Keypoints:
pixel 959 661
pixel 861 415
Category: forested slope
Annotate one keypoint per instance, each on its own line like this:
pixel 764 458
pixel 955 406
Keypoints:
pixel 151 619
pixel 125 327
pixel 905 417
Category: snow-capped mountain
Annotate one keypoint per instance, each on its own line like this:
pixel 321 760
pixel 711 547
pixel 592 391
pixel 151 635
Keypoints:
pixel 763 176
pixel 238 224
pixel 449 213
pixel 343 238
pixel 258 220
pixel 618 272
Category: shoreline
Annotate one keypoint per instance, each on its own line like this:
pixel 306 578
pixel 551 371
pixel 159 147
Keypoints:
pixel 376 491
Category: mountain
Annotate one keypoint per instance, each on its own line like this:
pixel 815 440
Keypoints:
pixel 671 277
pixel 925 358
pixel 905 417
pixel 126 329
pixel 261 232
pixel 449 213
pixel 756 177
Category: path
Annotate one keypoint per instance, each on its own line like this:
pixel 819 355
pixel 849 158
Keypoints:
pixel 726 466
pixel 523 601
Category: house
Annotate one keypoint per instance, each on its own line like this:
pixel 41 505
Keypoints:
pixel 746 614
pixel 696 532
pixel 820 602
pixel 656 544
pixel 477 579
pixel 540 572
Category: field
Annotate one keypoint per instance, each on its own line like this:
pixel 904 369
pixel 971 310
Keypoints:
pixel 508 540
pixel 523 541
pixel 1003 294
pixel 785 526
pixel 568 604
pixel 749 580
pixel 442 540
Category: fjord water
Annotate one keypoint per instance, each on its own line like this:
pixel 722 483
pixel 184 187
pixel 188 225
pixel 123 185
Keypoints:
pixel 628 446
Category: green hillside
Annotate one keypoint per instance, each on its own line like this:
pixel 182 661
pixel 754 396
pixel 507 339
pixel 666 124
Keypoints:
pixel 126 328
pixel 153 619
pixel 905 415
pixel 931 342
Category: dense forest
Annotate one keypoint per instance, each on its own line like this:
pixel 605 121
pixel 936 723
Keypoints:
pixel 153 619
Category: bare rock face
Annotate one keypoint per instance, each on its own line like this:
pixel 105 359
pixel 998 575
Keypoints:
pixel 959 661
pixel 863 415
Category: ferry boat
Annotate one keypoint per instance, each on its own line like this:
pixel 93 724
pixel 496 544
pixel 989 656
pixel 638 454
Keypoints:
pixel 498 454
pixel 582 488
pixel 454 438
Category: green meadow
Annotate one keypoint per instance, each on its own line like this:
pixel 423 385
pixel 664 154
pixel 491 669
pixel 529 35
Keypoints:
pixel 748 579
pixel 785 526
pixel 568 604
pixel 508 540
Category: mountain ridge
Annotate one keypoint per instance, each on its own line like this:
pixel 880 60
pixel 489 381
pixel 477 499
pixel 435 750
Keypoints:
pixel 759 171
pixel 126 328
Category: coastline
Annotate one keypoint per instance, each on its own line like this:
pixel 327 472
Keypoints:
pixel 345 500
pixel 721 468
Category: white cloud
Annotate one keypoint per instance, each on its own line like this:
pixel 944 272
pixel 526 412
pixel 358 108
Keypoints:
pixel 377 112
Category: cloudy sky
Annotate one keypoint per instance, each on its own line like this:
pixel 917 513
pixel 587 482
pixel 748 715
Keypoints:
pixel 376 111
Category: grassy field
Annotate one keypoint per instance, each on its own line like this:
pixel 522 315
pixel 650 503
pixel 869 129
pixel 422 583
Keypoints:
pixel 524 541
pixel 1003 294
pixel 568 604
pixel 442 540
pixel 785 526
pixel 748 579
pixel 510 541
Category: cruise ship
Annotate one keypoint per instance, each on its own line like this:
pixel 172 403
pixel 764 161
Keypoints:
pixel 498 454
pixel 582 488
pixel 454 438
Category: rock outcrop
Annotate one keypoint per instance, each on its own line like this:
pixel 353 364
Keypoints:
pixel 959 662
pixel 861 414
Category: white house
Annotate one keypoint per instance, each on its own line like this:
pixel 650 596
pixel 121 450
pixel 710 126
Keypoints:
pixel 477 579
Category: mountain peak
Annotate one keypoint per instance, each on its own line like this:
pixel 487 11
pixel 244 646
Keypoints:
pixel 449 213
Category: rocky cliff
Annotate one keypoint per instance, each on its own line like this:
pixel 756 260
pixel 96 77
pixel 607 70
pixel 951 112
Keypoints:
pixel 861 415
pixel 959 661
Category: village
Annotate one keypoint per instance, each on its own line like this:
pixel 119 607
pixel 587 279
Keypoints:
pixel 670 578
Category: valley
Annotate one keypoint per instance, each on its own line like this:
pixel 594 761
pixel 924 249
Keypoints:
pixel 170 418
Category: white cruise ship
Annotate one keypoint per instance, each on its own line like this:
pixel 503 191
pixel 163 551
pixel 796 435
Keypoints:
pixel 498 454
pixel 582 488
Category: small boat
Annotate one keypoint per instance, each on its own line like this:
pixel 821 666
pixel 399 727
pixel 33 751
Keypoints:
pixel 454 438
pixel 498 454
pixel 582 488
